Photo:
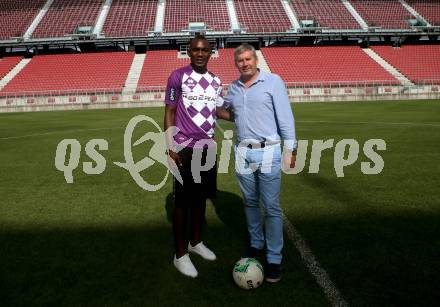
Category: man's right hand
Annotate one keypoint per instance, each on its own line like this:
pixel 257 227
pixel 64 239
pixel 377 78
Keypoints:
pixel 224 113
pixel 175 157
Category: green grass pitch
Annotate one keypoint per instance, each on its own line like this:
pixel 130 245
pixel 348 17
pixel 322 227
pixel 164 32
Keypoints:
pixel 104 241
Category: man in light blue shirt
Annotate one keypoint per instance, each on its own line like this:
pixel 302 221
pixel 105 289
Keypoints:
pixel 263 118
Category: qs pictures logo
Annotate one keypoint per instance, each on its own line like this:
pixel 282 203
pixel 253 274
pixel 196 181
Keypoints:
pixel 345 154
pixel 93 148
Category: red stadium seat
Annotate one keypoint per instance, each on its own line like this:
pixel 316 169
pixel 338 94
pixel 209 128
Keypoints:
pixel 388 14
pixel 17 15
pixel 160 63
pixel 64 16
pixel 130 18
pixel 429 9
pixel 419 63
pixel 73 72
pixel 178 13
pixel 7 64
pixel 251 14
pixel 319 66
pixel 327 13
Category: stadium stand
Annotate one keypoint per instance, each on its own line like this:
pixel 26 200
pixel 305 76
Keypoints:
pixel 388 14
pixel 130 18
pixel 328 70
pixel 420 63
pixel 160 63
pixel 16 16
pixel 251 13
pixel 326 13
pixel 224 66
pixel 178 13
pixel 7 64
pixel 65 73
pixel 64 16
pixel 326 65
pixel 429 9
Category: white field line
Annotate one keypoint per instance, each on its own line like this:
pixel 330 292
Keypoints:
pixel 55 132
pixel 222 130
pixel 321 276
pixel 370 123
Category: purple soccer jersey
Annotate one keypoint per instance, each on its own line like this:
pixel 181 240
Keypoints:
pixel 197 96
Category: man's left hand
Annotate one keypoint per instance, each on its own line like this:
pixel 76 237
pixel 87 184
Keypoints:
pixel 289 160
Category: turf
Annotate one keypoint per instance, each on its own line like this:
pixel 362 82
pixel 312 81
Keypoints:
pixel 104 241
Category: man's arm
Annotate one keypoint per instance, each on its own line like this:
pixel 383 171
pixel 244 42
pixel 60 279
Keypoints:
pixel 225 114
pixel 169 122
pixel 286 122
pixel 223 110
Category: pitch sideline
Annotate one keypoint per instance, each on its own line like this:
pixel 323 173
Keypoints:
pixel 321 276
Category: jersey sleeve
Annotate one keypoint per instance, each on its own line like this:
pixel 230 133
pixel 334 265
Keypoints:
pixel 174 89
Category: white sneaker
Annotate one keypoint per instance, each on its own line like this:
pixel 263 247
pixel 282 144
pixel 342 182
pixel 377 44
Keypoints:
pixel 185 266
pixel 202 250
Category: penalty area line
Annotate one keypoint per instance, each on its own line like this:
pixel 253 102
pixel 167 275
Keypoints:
pixel 321 276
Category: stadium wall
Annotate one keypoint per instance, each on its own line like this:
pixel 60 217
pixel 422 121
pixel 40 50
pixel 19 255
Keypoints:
pixel 298 93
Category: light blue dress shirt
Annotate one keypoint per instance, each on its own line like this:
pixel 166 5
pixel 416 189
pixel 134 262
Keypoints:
pixel 262 111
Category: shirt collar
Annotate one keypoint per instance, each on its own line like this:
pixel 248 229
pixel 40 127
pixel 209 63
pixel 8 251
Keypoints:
pixel 261 77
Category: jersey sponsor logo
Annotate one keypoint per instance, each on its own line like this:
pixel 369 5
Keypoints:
pixel 173 94
pixel 199 97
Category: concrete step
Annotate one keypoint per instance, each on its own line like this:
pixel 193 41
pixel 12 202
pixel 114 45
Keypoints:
pixel 355 14
pixel 291 15
pixel 388 67
pixel 410 9
pixel 134 74
pixel 232 15
pixel 37 20
pixel 160 16
pixel 6 79
pixel 97 30
pixel 262 64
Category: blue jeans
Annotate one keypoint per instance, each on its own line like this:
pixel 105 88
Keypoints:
pixel 259 175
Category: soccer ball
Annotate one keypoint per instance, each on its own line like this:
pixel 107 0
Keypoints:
pixel 248 273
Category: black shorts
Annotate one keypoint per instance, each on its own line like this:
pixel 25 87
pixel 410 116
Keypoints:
pixel 192 192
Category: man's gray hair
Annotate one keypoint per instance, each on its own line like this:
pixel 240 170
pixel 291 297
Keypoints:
pixel 243 48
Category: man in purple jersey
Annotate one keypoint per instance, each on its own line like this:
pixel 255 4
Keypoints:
pixel 193 101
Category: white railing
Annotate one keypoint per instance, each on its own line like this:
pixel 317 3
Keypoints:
pixel 155 95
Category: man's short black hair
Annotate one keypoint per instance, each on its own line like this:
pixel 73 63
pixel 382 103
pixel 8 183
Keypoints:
pixel 198 37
